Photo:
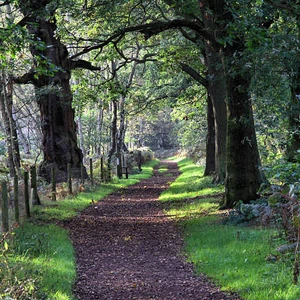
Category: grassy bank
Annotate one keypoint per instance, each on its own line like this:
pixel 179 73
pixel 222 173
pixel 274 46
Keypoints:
pixel 37 258
pixel 235 257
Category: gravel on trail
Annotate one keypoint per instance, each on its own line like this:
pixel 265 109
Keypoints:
pixel 127 248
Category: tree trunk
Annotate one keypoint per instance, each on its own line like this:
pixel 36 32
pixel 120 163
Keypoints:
pixel 122 128
pixel 80 134
pixel 9 125
pixel 217 92
pixel 293 144
pixel 243 175
pixel 54 94
pixel 59 135
pixel 210 165
pixel 113 130
pixel 8 135
pixel 210 140
pixel 211 11
pixel 99 128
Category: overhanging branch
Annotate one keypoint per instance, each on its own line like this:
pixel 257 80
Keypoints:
pixel 148 30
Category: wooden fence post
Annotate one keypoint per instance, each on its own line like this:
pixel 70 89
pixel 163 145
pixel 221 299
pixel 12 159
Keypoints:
pixel 35 199
pixel 53 184
pixel 4 204
pixel 125 166
pixel 26 194
pixel 70 178
pixel 16 198
pixel 91 171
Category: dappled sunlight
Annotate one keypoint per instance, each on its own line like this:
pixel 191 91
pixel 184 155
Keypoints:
pixel 192 210
pixel 234 256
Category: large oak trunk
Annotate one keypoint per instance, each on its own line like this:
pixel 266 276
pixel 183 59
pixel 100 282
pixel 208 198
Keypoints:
pixel 59 134
pixel 53 94
pixel 243 175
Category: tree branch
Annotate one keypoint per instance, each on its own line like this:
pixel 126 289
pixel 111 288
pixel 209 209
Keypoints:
pixel 148 30
pixel 194 74
pixel 83 64
pixel 27 78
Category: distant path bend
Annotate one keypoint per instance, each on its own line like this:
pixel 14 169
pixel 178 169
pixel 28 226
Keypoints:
pixel 127 248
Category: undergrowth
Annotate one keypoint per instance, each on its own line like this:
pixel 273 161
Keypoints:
pixel 236 257
pixel 37 258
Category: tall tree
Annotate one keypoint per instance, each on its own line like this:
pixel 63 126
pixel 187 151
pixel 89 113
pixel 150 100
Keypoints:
pixel 9 125
pixel 212 14
pixel 6 95
pixel 50 75
pixel 210 164
pixel 243 176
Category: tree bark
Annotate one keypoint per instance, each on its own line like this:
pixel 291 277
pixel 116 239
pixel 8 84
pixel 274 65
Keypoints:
pixel 113 130
pixel 243 174
pixel 6 108
pixel 80 134
pixel 8 135
pixel 122 128
pixel 99 128
pixel 210 166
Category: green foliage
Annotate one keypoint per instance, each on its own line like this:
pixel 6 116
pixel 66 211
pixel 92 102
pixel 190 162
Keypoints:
pixel 47 251
pixel 284 172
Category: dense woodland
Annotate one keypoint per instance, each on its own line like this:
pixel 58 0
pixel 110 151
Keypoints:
pixel 218 79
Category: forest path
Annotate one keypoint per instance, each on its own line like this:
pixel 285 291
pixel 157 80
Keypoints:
pixel 127 248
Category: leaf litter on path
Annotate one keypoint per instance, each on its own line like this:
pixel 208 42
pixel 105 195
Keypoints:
pixel 128 248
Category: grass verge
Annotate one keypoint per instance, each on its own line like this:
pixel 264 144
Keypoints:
pixel 37 258
pixel 232 256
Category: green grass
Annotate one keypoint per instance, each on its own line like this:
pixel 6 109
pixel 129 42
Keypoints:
pixel 190 184
pixel 37 259
pixel 232 256
pixel 48 253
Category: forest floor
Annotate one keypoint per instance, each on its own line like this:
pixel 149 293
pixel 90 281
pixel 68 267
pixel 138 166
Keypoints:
pixel 127 248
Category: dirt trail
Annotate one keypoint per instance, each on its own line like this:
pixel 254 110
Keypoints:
pixel 126 248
